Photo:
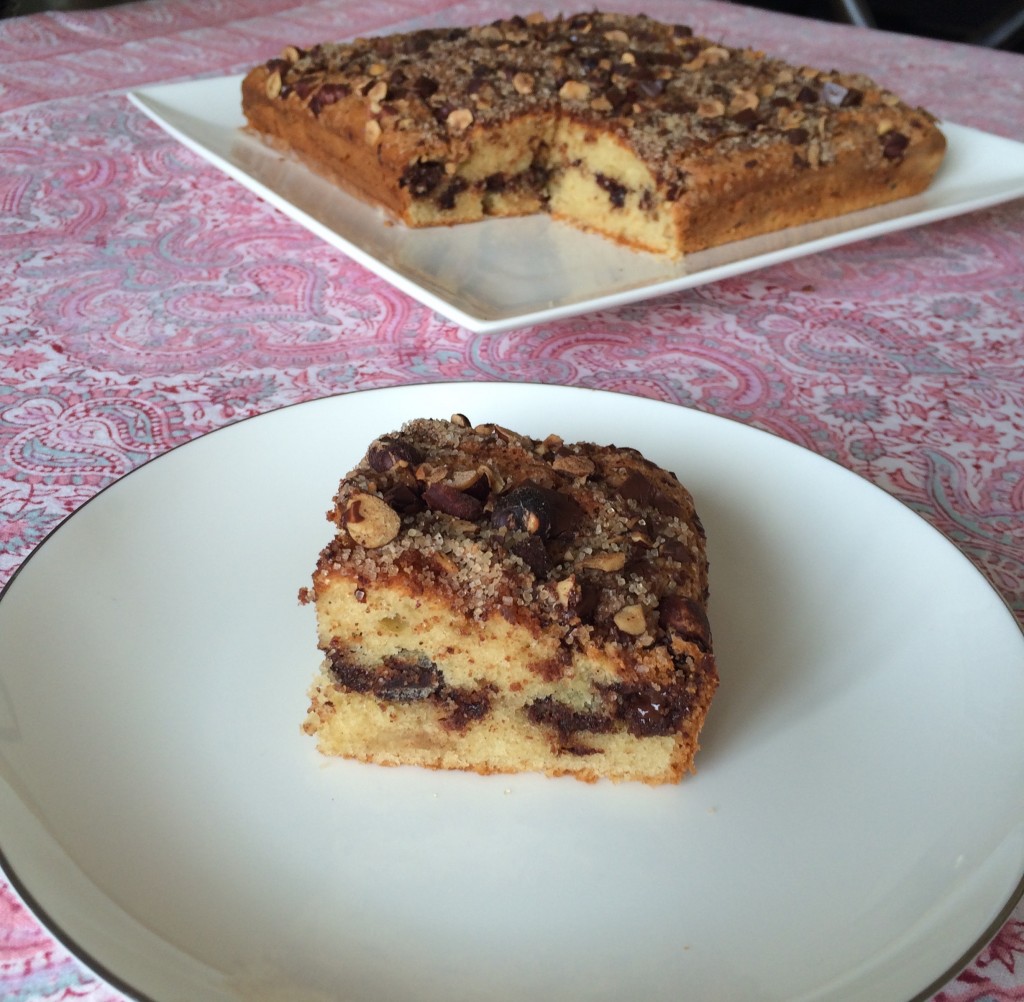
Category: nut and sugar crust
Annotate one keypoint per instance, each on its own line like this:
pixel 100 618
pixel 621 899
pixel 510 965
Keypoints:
pixel 553 593
pixel 617 123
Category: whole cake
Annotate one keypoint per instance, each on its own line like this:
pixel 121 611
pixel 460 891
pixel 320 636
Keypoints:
pixel 616 123
pixel 495 603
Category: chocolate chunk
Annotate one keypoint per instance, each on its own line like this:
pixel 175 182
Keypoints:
pixel 446 200
pixel 327 94
pixel 403 499
pixel 425 87
pixel 616 192
pixel 894 144
pixel 451 501
pixel 399 680
pixel 648 711
pixel 422 177
pixel 390 451
pixel 537 510
pixel 464 706
pixel 533 553
pixel 637 487
pixel 549 712
pixel 407 681
pixel 686 618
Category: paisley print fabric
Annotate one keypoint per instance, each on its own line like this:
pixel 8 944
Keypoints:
pixel 146 299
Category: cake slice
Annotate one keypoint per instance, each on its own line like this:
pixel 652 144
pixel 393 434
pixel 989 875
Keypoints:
pixel 495 603
pixel 615 123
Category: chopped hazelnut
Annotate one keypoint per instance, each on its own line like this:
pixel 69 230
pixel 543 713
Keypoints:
pixel 430 473
pixel 575 466
pixel 630 619
pixel 523 83
pixel 372 132
pixel 743 100
pixel 574 90
pixel 273 85
pixel 459 120
pixel 710 108
pixel 608 562
pixel 565 589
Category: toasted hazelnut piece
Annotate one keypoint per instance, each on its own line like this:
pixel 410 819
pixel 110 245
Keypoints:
pixel 523 83
pixel 459 120
pixel 617 35
pixel 430 474
pixel 565 588
pixel 273 85
pixel 372 132
pixel 446 563
pixel 496 481
pixel 377 92
pixel 641 538
pixel 291 54
pixel 376 69
pixel 711 108
pixel 574 90
pixel 609 562
pixel 575 466
pixel 370 521
pixel 715 54
pixel 460 420
pixel 743 100
pixel 630 619
pixel 463 480
pixel 537 17
pixel 791 118
pixel 601 104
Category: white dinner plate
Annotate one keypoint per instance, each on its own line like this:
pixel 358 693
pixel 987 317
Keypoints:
pixel 854 832
pixel 504 273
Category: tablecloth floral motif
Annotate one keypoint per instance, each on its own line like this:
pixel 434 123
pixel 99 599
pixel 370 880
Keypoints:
pixel 146 299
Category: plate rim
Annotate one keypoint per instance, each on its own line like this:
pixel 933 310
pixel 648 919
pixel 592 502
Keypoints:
pixel 151 101
pixel 101 970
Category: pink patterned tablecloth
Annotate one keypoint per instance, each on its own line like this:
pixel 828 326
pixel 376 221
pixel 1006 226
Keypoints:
pixel 146 299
